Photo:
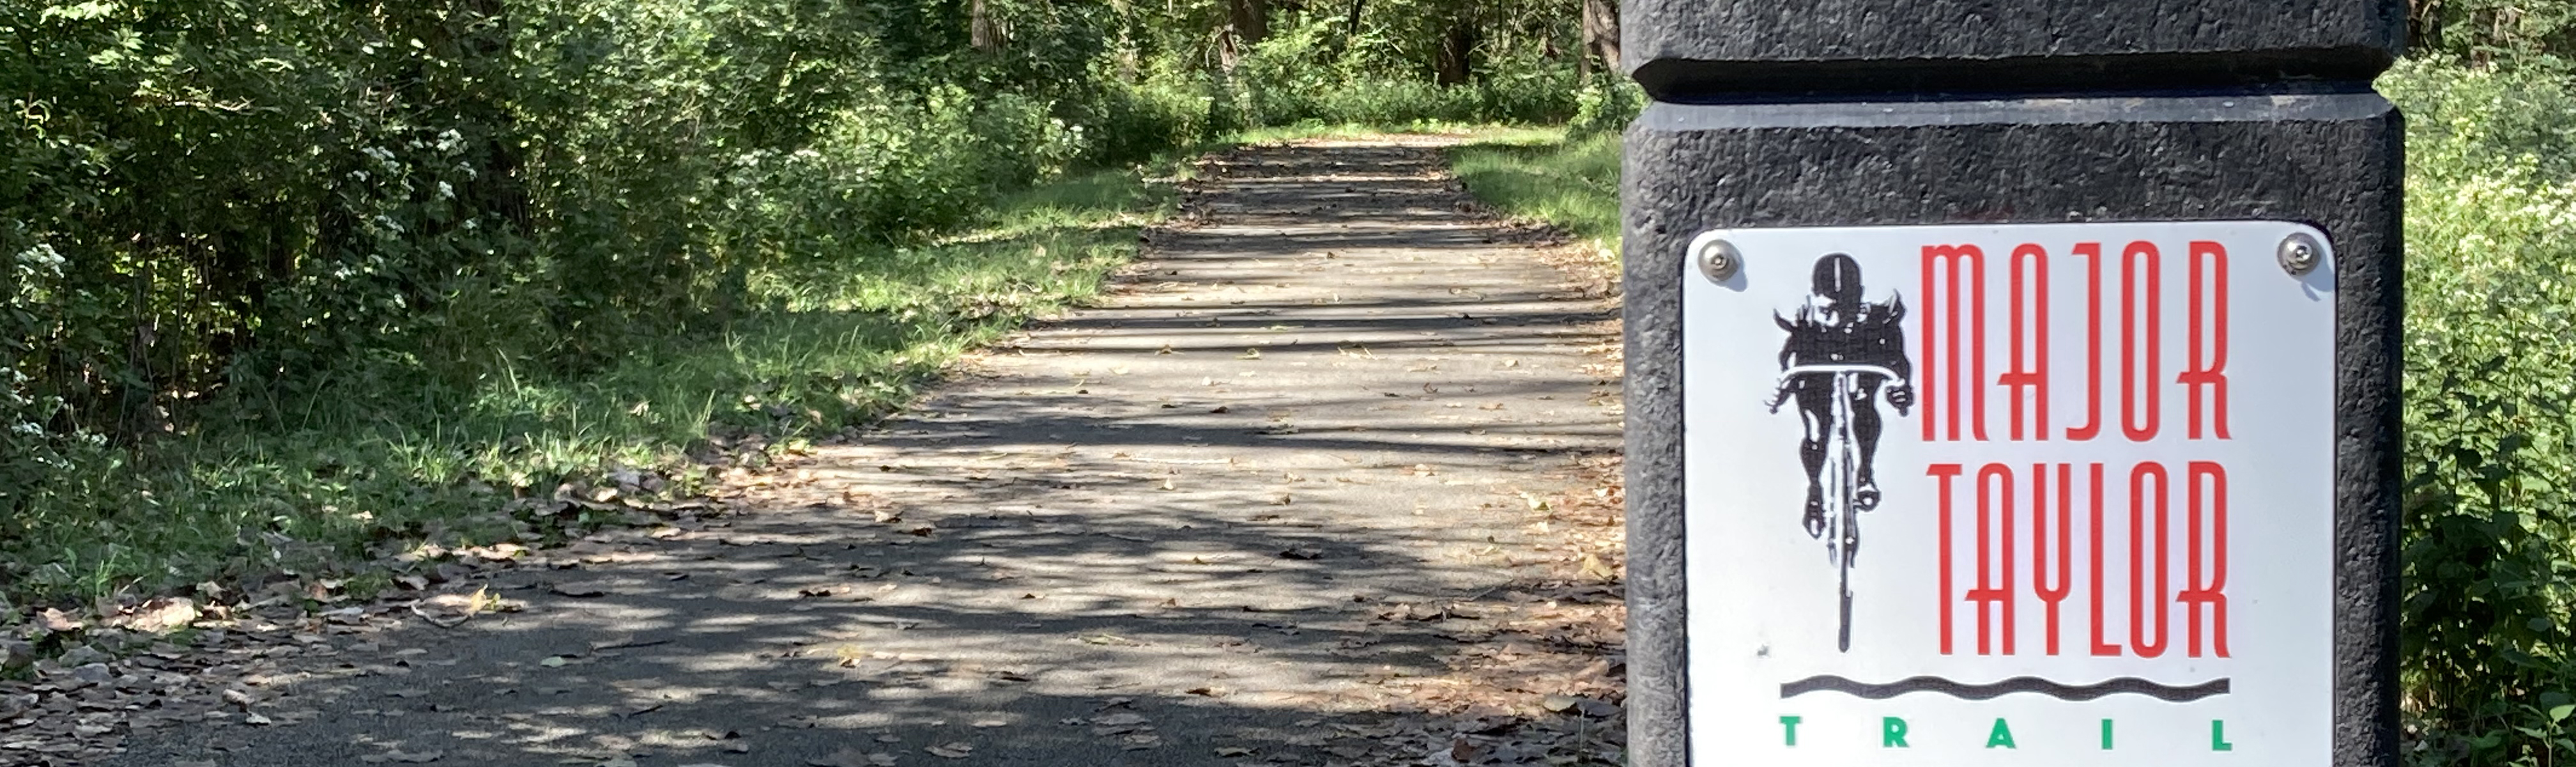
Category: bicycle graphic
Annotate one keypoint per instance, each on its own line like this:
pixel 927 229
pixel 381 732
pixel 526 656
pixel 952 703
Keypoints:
pixel 1843 352
pixel 1845 494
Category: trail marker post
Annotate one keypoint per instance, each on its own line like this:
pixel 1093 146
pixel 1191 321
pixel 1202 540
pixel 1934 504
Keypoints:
pixel 2013 378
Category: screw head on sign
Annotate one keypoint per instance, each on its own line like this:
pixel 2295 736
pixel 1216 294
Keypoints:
pixel 2301 254
pixel 1718 259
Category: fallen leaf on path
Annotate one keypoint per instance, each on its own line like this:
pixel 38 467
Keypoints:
pixel 451 610
pixel 951 750
pixel 851 757
pixel 1302 552
pixel 1593 566
pixel 162 616
pixel 423 757
pixel 582 589
pixel 1576 704
pixel 55 620
pixel 625 642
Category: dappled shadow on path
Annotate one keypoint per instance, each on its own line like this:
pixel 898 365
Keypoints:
pixel 1239 512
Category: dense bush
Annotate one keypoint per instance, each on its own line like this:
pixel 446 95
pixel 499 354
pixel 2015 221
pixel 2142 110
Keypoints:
pixel 227 229
pixel 1304 74
pixel 2490 510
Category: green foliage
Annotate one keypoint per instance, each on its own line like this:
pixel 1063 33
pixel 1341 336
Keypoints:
pixel 1606 108
pixel 2490 510
pixel 1316 67
pixel 2495 30
pixel 1300 75
pixel 250 254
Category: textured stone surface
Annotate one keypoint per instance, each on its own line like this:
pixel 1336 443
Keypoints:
pixel 2330 160
pixel 1707 47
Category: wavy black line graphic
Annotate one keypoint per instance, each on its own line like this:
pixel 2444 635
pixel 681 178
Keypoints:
pixel 2029 684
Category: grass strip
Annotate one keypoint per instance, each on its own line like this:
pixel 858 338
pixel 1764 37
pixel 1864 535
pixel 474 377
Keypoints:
pixel 1571 182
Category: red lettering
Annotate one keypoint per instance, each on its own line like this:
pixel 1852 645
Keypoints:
pixel 1938 339
pixel 1994 570
pixel 2212 592
pixel 1946 472
pixel 2134 403
pixel 2208 375
pixel 2147 644
pixel 2049 596
pixel 2029 377
pixel 2099 647
pixel 2092 253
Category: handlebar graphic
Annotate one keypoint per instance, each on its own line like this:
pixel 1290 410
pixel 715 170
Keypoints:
pixel 1781 394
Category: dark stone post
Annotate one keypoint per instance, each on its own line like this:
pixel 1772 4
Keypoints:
pixel 1906 112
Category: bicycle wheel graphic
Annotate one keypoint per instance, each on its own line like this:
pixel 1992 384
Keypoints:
pixel 1844 543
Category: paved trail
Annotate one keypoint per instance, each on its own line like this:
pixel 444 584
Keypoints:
pixel 1168 530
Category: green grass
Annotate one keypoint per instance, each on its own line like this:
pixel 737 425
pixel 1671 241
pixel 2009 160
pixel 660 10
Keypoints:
pixel 1545 175
pixel 382 462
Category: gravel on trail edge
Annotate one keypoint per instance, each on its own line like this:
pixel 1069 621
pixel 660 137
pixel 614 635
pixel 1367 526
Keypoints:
pixel 1327 478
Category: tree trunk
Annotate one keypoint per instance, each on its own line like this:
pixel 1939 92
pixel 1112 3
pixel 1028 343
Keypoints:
pixel 1457 64
pixel 1356 7
pixel 980 32
pixel 1601 31
pixel 1251 20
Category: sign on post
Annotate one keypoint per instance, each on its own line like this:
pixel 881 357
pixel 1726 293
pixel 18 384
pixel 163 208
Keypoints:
pixel 2012 382
pixel 1957 492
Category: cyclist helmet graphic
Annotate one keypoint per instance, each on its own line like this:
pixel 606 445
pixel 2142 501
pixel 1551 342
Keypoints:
pixel 1843 346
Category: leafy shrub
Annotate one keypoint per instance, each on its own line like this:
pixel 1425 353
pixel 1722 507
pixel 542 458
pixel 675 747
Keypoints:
pixel 2490 504
pixel 1606 108
pixel 1309 74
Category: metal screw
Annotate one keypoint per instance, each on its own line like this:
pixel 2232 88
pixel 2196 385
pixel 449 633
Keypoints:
pixel 1718 259
pixel 2300 254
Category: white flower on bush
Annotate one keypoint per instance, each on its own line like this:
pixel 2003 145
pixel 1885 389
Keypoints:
pixel 43 258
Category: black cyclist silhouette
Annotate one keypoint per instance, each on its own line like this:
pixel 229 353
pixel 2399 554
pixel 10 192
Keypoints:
pixel 1841 353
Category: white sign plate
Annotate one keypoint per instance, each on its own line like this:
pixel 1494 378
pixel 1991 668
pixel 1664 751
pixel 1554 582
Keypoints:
pixel 2083 473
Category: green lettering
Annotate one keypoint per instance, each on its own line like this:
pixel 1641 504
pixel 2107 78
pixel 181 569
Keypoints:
pixel 2218 736
pixel 1789 729
pixel 1891 732
pixel 2106 734
pixel 2001 737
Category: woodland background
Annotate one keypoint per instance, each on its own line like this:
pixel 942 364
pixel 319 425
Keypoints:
pixel 290 287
